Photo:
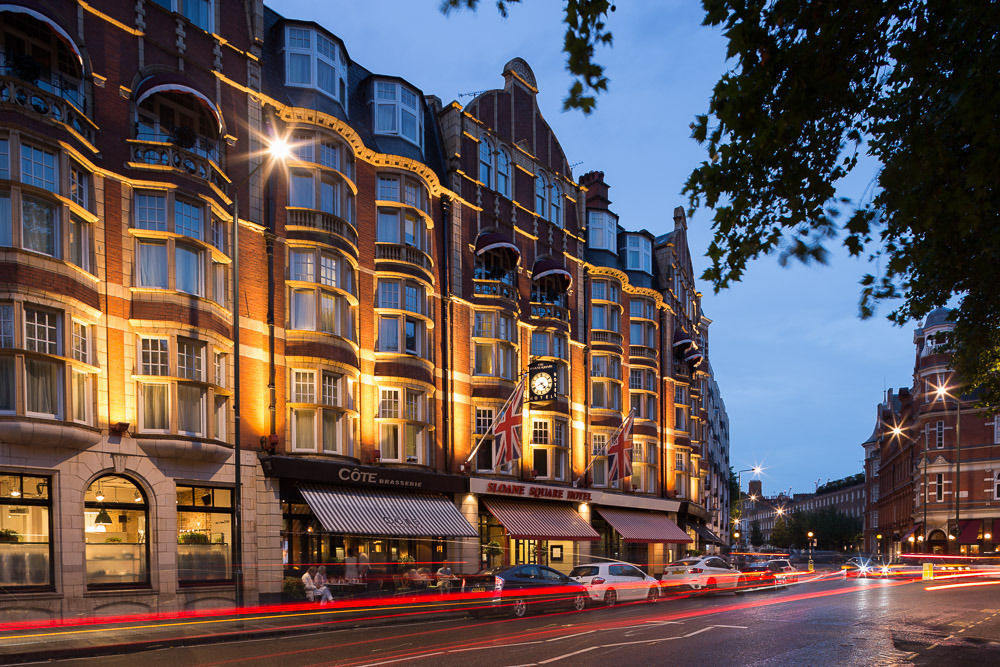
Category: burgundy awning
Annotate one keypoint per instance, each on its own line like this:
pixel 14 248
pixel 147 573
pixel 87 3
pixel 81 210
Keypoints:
pixel 540 521
pixel 550 267
pixel 682 339
pixel 635 526
pixel 175 83
pixel 968 532
pixel 56 28
pixel 495 241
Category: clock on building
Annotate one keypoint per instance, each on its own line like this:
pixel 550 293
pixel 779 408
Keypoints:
pixel 542 380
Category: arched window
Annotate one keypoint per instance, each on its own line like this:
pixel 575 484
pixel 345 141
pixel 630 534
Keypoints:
pixel 541 197
pixel 115 520
pixel 485 162
pixel 503 173
pixel 555 207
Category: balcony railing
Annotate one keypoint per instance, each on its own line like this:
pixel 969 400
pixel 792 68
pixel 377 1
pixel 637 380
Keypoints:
pixel 549 311
pixel 494 288
pixel 160 155
pixel 323 222
pixel 642 351
pixel 612 337
pixel 394 252
pixel 48 100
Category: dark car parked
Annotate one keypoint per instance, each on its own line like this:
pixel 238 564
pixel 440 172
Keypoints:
pixel 519 587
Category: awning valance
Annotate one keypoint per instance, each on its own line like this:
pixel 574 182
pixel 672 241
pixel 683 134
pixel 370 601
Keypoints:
pixel 911 531
pixel 385 513
pixel 540 521
pixel 704 533
pixel 550 267
pixel 969 531
pixel 495 241
pixel 56 28
pixel 174 83
pixel 635 526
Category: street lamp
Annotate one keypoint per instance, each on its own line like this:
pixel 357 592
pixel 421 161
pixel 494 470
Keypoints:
pixel 277 151
pixel 942 393
pixel 756 470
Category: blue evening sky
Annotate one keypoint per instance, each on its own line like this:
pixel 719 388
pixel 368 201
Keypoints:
pixel 800 373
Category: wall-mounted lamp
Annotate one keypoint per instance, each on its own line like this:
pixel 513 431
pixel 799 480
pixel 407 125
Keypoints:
pixel 120 428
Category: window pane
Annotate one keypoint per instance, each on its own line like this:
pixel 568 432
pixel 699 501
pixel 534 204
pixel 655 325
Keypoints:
pixel 190 409
pixel 81 397
pixel 25 558
pixel 304 434
pixel 389 441
pixel 409 125
pixel 327 78
pixel 188 265
pixel 38 168
pixel 122 561
pixel 331 426
pixel 7 384
pixel 302 265
pixel 6 221
pixel 540 462
pixel 188 219
pixel 302 194
pixel 385 118
pixel 304 310
pixel 388 227
pixel 388 334
pixel 152 269
pixel 154 407
pixel 299 68
pixel 204 546
pixel 39 226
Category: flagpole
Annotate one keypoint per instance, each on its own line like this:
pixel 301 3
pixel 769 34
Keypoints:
pixel 496 416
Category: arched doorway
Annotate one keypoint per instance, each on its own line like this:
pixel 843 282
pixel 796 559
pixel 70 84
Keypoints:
pixel 937 542
pixel 116 520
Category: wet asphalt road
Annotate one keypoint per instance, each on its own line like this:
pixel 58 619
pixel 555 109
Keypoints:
pixel 856 622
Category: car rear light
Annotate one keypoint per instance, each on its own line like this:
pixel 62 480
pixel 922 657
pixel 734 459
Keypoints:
pixel 597 580
pixel 695 570
pixel 498 584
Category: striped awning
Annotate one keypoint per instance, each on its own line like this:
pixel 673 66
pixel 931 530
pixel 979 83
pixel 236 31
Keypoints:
pixel 635 526
pixel 969 531
pixel 540 521
pixel 385 513
pixel 706 535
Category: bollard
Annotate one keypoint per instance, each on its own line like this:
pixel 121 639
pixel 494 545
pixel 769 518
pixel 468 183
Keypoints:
pixel 928 571
pixel 811 565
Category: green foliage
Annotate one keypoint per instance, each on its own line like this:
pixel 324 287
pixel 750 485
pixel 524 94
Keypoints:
pixel 9 535
pixel 843 483
pixel 586 29
pixel 736 497
pixel 193 538
pixel 292 588
pixel 816 85
pixel 831 529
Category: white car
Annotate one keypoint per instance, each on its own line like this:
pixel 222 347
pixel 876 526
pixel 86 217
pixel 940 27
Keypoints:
pixel 614 582
pixel 701 572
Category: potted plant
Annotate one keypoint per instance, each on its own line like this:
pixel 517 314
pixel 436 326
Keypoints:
pixel 9 535
pixel 491 550
pixel 112 539
pixel 194 538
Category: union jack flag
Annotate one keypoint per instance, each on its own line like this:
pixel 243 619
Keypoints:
pixel 507 429
pixel 620 456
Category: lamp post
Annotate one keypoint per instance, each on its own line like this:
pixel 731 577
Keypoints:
pixel 756 470
pixel 277 150
pixel 812 543
pixel 942 393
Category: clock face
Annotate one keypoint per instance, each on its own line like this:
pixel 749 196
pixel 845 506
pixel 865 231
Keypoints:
pixel 541 384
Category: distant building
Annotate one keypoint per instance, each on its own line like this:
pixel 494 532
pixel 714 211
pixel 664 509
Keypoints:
pixel 932 463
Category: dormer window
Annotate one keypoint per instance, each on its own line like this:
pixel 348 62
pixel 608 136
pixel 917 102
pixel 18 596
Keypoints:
pixel 639 254
pixel 397 112
pixel 603 233
pixel 313 60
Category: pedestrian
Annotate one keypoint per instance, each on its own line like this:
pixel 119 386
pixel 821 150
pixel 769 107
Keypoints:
pixel 322 590
pixel 351 564
pixel 309 583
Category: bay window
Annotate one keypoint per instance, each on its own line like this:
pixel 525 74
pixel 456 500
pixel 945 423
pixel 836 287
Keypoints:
pixel 644 466
pixel 495 338
pixel 320 404
pixel 602 231
pixel 599 452
pixel 397 112
pixel 605 390
pixel 639 253
pixel 313 60
pixel 321 287
pixel 404 425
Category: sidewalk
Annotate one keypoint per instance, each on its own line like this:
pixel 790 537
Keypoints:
pixel 36 641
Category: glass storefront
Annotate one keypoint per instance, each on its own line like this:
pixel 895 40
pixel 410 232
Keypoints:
pixel 115 524
pixel 25 527
pixel 204 534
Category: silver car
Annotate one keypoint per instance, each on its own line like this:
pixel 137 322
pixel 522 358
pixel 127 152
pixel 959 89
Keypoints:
pixel 611 582
pixel 700 573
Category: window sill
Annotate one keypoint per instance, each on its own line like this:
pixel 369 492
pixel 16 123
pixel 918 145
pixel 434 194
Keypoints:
pixel 30 593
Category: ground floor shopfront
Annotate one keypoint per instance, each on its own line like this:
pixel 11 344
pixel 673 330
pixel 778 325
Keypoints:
pixel 374 528
pixel 103 525
pixel 969 536
pixel 562 527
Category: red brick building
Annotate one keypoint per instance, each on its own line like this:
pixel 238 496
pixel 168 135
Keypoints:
pixel 397 276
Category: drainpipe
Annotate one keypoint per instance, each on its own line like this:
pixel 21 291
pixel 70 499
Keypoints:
pixel 588 445
pixel 270 236
pixel 446 386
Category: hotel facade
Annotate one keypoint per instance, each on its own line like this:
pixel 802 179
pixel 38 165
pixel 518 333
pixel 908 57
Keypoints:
pixel 381 295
